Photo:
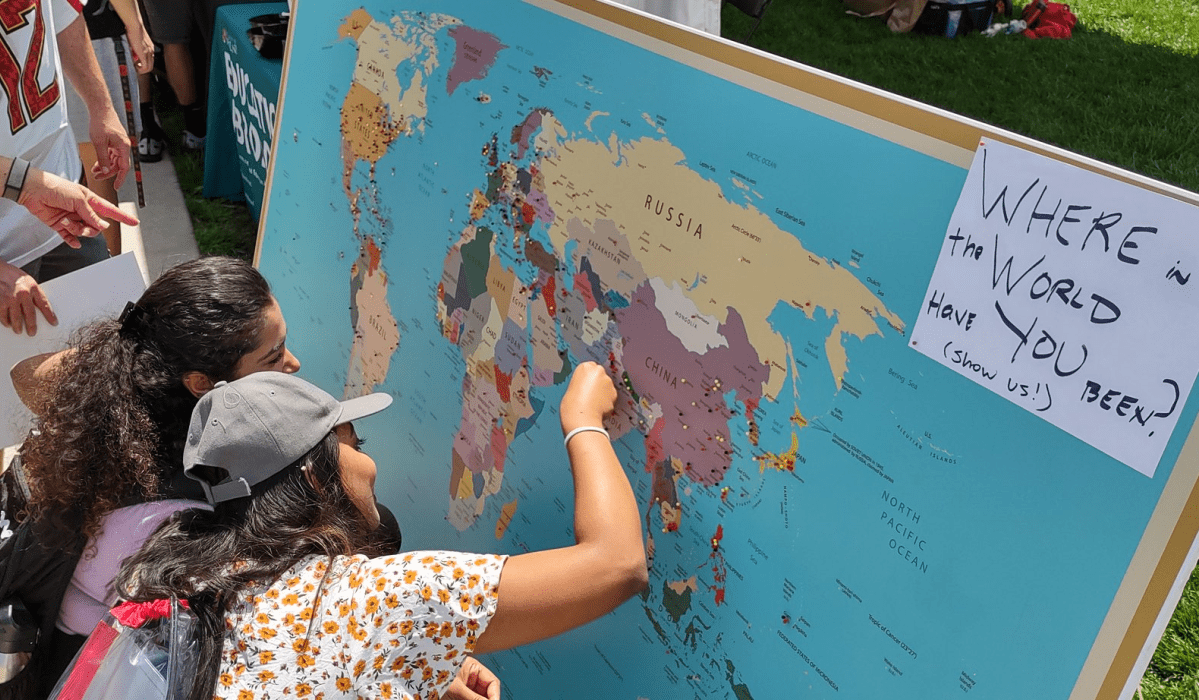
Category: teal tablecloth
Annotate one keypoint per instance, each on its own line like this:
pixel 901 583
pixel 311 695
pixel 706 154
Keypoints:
pixel 243 89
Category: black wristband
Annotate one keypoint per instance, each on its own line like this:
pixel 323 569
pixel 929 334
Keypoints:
pixel 16 179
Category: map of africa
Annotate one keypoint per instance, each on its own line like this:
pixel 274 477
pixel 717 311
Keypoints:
pixel 465 207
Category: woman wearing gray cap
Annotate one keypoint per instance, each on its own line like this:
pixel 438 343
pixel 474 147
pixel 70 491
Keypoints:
pixel 296 601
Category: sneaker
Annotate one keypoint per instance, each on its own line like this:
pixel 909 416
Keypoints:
pixel 191 142
pixel 150 148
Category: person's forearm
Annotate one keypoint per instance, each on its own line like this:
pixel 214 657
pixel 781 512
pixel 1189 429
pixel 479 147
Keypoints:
pixel 128 11
pixel 80 66
pixel 606 513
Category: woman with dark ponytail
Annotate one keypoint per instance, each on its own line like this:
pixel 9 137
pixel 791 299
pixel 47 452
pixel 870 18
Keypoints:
pixel 112 411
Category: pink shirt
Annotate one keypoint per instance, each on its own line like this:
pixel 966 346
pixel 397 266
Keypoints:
pixel 122 532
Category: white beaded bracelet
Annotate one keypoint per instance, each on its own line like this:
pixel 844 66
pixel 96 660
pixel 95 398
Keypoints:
pixel 584 429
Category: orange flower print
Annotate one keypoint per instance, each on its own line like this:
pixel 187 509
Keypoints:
pixel 267 632
pixel 427 560
pixel 432 630
pixel 473 581
pixel 344 684
pixel 451 654
pixel 379 662
pixel 303 690
pixel 406 674
pixel 355 580
pixel 306 614
pixel 289 619
pixel 392 601
pixel 304 661
pixel 245 695
pixel 299 645
pixel 398 663
pixel 293 581
pixel 264 676
pixel 265 657
pixel 464 603
pixel 443 676
pixel 262 618
pixel 358 633
pixel 385 690
pixel 372 604
pixel 409 576
pixel 479 599
pixel 426 673
pixel 473 625
pixel 443 595
pixel 446 629
pixel 272 594
pixel 359 667
pixel 406 627
pixel 331 627
pixel 299 630
pixel 459 573
pixel 290 599
pixel 226 679
pixel 343 609
pixel 380 584
pixel 436 568
pixel 308 588
pixel 426 592
pixel 393 629
pixel 407 558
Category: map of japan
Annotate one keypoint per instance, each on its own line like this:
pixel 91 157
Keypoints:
pixel 826 510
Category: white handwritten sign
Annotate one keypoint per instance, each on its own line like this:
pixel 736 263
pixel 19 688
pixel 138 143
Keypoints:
pixel 1072 295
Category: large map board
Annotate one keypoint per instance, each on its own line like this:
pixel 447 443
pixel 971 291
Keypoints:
pixel 467 199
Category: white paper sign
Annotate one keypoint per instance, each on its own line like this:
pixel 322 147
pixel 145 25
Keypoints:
pixel 1072 295
pixel 95 292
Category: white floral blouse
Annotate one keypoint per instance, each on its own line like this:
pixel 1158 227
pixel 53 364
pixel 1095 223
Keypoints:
pixel 390 627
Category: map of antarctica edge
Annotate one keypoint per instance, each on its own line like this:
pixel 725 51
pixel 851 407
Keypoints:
pixel 828 513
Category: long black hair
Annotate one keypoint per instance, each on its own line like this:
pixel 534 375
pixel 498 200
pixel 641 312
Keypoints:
pixel 115 417
pixel 302 511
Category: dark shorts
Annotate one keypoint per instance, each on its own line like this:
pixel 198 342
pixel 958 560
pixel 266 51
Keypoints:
pixel 65 259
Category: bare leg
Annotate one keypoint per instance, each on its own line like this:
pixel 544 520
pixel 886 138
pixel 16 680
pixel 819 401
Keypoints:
pixel 104 188
pixel 180 75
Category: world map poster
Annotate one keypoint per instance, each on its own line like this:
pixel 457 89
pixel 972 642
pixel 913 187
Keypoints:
pixel 469 199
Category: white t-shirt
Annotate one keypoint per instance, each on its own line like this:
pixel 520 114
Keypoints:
pixel 122 532
pixel 33 118
pixel 703 15
pixel 389 627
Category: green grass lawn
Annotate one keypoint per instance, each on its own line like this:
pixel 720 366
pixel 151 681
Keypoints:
pixel 1124 90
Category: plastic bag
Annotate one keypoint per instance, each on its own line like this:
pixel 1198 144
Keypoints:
pixel 147 651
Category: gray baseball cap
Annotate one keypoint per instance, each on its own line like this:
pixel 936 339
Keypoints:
pixel 254 427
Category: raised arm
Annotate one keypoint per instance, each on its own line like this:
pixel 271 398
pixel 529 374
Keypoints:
pixel 545 593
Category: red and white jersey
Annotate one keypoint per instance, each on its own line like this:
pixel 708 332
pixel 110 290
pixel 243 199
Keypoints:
pixel 33 113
